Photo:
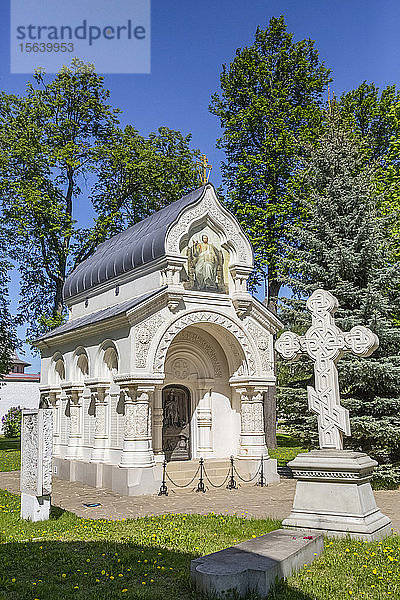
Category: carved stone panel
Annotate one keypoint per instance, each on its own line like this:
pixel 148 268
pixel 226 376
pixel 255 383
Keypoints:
pixel 144 335
pixel 176 423
pixel 262 341
pixel 36 446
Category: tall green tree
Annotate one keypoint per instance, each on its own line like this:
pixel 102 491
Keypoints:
pixel 8 339
pixel 344 247
pixel 270 102
pixel 374 116
pixel 61 143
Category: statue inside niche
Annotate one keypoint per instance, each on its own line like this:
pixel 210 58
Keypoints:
pixel 205 266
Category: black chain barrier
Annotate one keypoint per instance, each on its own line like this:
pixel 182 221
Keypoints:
pixel 164 489
pixel 201 487
pixel 232 483
pixel 214 485
pixel 262 481
pixel 247 480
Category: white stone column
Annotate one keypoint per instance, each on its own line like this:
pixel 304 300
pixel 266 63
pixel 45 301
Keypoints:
pixel 252 436
pixel 158 418
pixel 137 448
pixel 74 393
pixel 204 423
pixel 100 393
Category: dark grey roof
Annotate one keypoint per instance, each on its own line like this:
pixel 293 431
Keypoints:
pixel 131 248
pixel 100 315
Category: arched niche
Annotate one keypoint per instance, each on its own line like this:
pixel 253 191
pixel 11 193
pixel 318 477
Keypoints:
pixel 57 370
pixel 108 360
pixel 81 364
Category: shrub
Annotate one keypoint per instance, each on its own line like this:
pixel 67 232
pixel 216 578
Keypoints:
pixel 12 422
pixel 386 477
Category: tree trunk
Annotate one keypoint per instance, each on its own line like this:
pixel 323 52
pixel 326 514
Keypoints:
pixel 270 396
pixel 272 298
pixel 270 416
pixel 58 298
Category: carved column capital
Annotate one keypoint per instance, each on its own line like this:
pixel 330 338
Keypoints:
pixel 73 391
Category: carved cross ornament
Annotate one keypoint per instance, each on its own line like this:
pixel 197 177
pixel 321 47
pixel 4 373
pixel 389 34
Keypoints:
pixel 325 344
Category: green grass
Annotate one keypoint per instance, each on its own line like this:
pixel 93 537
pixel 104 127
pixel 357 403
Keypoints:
pixel 288 448
pixel 149 558
pixel 10 454
pixel 72 557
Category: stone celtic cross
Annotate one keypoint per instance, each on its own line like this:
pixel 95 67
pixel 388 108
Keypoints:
pixel 325 343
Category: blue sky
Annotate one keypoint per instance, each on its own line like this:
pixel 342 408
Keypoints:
pixel 358 39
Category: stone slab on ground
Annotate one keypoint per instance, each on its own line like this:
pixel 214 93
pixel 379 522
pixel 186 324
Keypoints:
pixel 274 501
pixel 255 565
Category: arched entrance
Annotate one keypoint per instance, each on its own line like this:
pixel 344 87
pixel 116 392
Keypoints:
pixel 176 422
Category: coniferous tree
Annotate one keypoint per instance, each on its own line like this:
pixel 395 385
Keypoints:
pixel 343 247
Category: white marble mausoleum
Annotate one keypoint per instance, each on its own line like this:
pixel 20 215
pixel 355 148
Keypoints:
pixel 165 353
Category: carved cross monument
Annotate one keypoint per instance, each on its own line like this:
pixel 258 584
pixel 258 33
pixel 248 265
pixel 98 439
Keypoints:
pixel 325 343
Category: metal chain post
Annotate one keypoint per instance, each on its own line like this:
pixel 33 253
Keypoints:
pixel 200 486
pixel 163 489
pixel 232 483
pixel 262 481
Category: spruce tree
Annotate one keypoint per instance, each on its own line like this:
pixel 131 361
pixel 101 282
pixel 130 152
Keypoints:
pixel 344 247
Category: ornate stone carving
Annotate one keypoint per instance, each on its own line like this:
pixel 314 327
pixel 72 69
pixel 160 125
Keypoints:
pixel 203 317
pixel 46 453
pixel 325 343
pixel 207 207
pixel 180 368
pixel 37 447
pixel 200 342
pixel 328 475
pixel 261 339
pixel 252 415
pixel 144 335
pixel 29 467
pixel 137 417
pixel 100 420
pixel 252 436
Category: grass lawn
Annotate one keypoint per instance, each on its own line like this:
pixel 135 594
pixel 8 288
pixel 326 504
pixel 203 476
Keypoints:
pixel 10 454
pixel 288 448
pixel 149 558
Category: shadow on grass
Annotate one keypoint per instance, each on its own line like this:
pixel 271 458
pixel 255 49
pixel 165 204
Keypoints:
pixel 102 570
pixel 10 443
pixel 284 440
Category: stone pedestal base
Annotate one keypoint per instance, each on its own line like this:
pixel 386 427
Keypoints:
pixel 35 508
pixel 127 481
pixel 334 495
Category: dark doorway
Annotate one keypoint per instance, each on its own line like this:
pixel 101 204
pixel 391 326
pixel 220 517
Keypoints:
pixel 176 422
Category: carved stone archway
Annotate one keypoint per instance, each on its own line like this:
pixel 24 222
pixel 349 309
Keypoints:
pixel 207 317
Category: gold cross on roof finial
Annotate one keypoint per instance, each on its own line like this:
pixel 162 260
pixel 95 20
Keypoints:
pixel 202 166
